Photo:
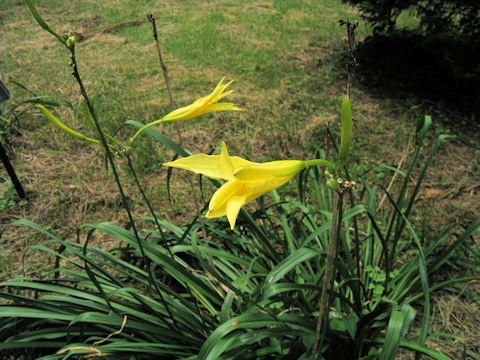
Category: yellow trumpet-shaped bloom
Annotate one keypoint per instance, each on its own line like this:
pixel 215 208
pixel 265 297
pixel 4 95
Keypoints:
pixel 204 105
pixel 246 180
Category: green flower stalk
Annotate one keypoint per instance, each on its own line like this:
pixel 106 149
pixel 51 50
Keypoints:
pixel 246 180
pixel 204 105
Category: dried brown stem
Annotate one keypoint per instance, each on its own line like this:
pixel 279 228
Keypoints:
pixel 329 267
pixel 352 61
pixel 151 18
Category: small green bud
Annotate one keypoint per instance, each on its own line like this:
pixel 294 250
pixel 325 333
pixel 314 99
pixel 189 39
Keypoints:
pixel 327 174
pixel 71 41
pixel 333 184
pixel 69 33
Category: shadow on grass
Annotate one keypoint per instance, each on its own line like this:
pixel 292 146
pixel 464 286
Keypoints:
pixel 444 72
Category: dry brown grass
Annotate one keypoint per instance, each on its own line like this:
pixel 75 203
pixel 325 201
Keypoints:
pixel 459 316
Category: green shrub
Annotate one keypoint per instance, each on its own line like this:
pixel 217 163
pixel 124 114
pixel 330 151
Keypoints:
pixel 434 59
pixel 453 17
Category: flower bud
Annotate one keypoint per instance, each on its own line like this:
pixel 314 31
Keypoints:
pixel 71 41
pixel 333 184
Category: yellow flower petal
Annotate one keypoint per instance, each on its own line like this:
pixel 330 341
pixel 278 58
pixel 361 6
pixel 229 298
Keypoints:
pixel 238 162
pixel 223 107
pixel 186 112
pixel 260 188
pixel 246 180
pixel 225 166
pixel 262 172
pixel 200 164
pixel 213 166
pixel 224 193
pixel 234 205
pixel 203 105
pixel 232 195
pixel 228 200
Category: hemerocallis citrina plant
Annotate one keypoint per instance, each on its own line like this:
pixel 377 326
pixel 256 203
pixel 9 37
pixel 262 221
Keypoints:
pixel 245 180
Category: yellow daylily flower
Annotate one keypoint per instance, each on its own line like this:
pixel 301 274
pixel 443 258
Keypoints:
pixel 204 105
pixel 246 180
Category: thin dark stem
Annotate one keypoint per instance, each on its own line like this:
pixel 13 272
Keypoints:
pixel 352 61
pixel 11 172
pixel 151 18
pixel 329 267
pixel 111 161
pixel 351 66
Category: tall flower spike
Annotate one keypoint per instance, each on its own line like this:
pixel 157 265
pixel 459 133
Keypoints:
pixel 246 180
pixel 204 105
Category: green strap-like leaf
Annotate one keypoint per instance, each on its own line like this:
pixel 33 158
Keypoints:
pixel 420 349
pixel 398 325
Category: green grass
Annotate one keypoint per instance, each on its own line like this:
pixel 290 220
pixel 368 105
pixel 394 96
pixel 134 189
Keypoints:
pixel 259 43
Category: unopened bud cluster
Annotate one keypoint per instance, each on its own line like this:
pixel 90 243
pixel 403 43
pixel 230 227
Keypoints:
pixel 338 184
pixel 70 39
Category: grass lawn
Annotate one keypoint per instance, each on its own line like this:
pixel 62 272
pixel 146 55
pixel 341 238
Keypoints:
pixel 288 62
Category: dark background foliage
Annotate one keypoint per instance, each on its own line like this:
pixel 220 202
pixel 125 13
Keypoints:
pixel 458 17
pixel 437 61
